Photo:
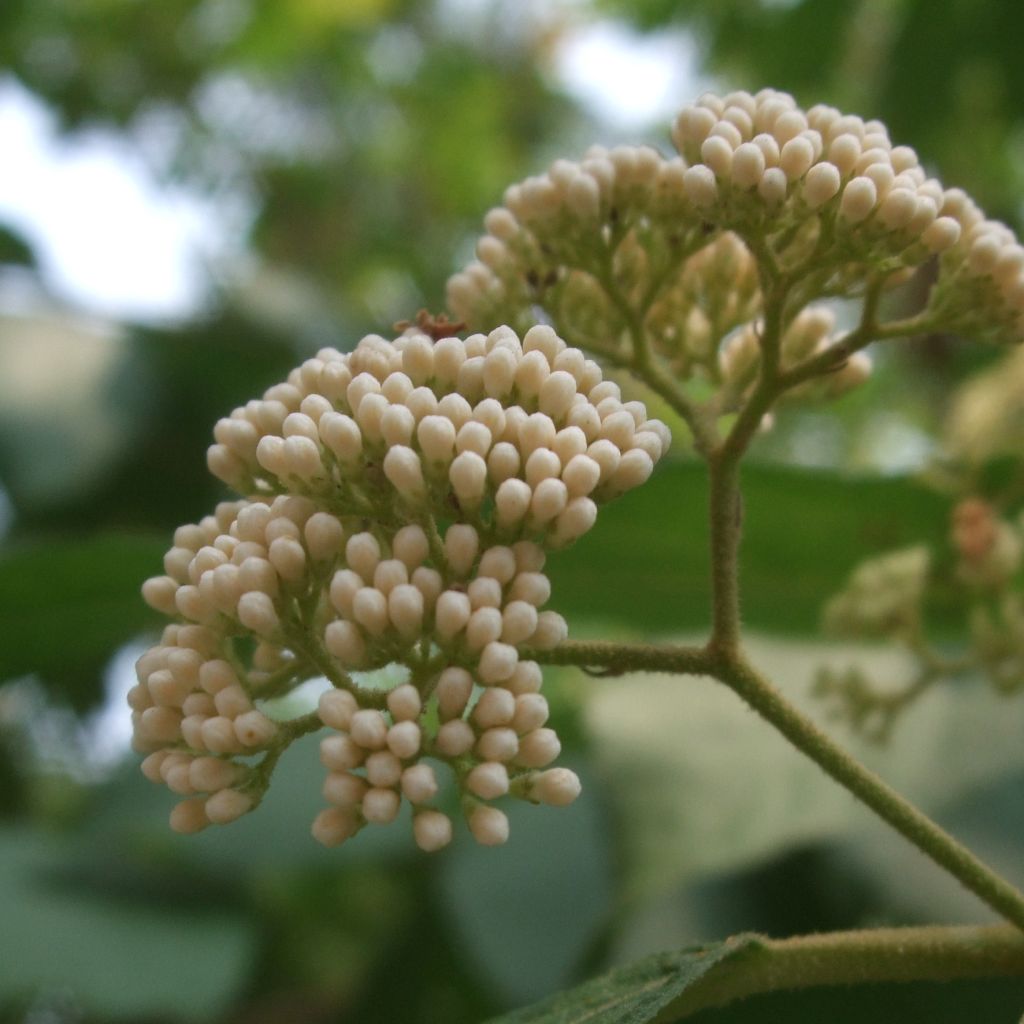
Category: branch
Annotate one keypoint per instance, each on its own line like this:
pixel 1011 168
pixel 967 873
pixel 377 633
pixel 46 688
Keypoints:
pixel 844 958
pixel 617 659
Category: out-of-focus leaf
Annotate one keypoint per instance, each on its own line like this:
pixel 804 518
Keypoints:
pixel 14 248
pixel 701 786
pixel 67 605
pixel 645 564
pixel 636 994
pixel 119 961
pixel 526 911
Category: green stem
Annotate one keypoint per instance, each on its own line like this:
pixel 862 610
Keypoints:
pixel 616 659
pixel 847 958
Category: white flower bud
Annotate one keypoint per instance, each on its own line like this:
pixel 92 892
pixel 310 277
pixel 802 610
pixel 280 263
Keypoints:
pixel 342 436
pixel 542 464
pixel 333 826
pixel 404 740
pixel 550 632
pixel 362 553
pixel 859 198
pixel 473 437
pixel 542 338
pixel 796 157
pixel 422 402
pixel 158 592
pixel 232 701
pixel 538 748
pixel 531 374
pixel 404 703
pixel 451 613
pixel 634 468
pixel 941 234
pixel 288 557
pixel 253 729
pixel 579 517
pixel 419 783
pixel 748 165
pixel 215 675
pixel 532 587
pixel 403 469
pixel 488 780
pixel 527 678
pixel 343 789
pixel 557 787
pixel 189 816
pixel 256 612
pixel 405 609
pixel 897 208
pixel 389 574
pixel 497 661
pixel 461 543
pixel 341 753
pixel 380 806
pixel 397 387
pixel 209 774
pixel 454 688
pixel 773 186
pixel 418 360
pixel 436 436
pixel 499 372
pixel 821 184
pixel 410 546
pixel 557 393
pixel 449 355
pixel 432 830
pixel 383 768
pixel 397 426
pixel 429 583
pixel 489 826
pixel 530 713
pixel 503 462
pixel 370 610
pixel 324 536
pixel 227 805
pixel 270 454
pixel 518 622
pixel 369 729
pixel 548 500
pixel 581 475
pixel 336 708
pixel 344 640
pixel 455 738
pixel 484 626
pixel 468 476
pixel 484 592
pixel 498 744
pixel 496 706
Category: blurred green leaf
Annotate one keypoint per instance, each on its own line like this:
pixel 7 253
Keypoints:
pixel 67 605
pixel 721 790
pixel 636 994
pixel 527 911
pixel 645 564
pixel 119 961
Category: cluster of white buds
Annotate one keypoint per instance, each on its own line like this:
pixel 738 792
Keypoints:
pixel 883 595
pixel 193 713
pixel 988 548
pixel 613 241
pixel 520 439
pixel 811 331
pixel 335 563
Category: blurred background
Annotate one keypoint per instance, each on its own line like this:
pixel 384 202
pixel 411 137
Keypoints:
pixel 197 194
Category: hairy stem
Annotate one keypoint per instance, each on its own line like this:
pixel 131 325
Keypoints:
pixel 845 958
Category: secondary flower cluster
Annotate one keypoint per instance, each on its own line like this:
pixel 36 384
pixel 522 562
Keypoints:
pixel 628 241
pixel 339 562
pixel 887 598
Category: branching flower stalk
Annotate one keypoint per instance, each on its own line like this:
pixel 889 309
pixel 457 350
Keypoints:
pixel 399 500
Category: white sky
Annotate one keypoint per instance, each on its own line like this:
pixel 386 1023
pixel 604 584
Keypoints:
pixel 115 242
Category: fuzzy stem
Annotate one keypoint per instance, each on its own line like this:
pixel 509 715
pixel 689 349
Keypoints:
pixel 932 953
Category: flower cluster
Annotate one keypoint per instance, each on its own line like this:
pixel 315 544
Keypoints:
pixel 628 241
pixel 400 502
pixel 887 597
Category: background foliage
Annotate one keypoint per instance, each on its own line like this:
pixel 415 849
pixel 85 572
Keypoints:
pixel 362 141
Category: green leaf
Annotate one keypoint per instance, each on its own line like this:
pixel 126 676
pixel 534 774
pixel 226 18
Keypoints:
pixel 645 564
pixel 67 605
pixel 529 933
pixel 635 994
pixel 722 790
pixel 118 961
